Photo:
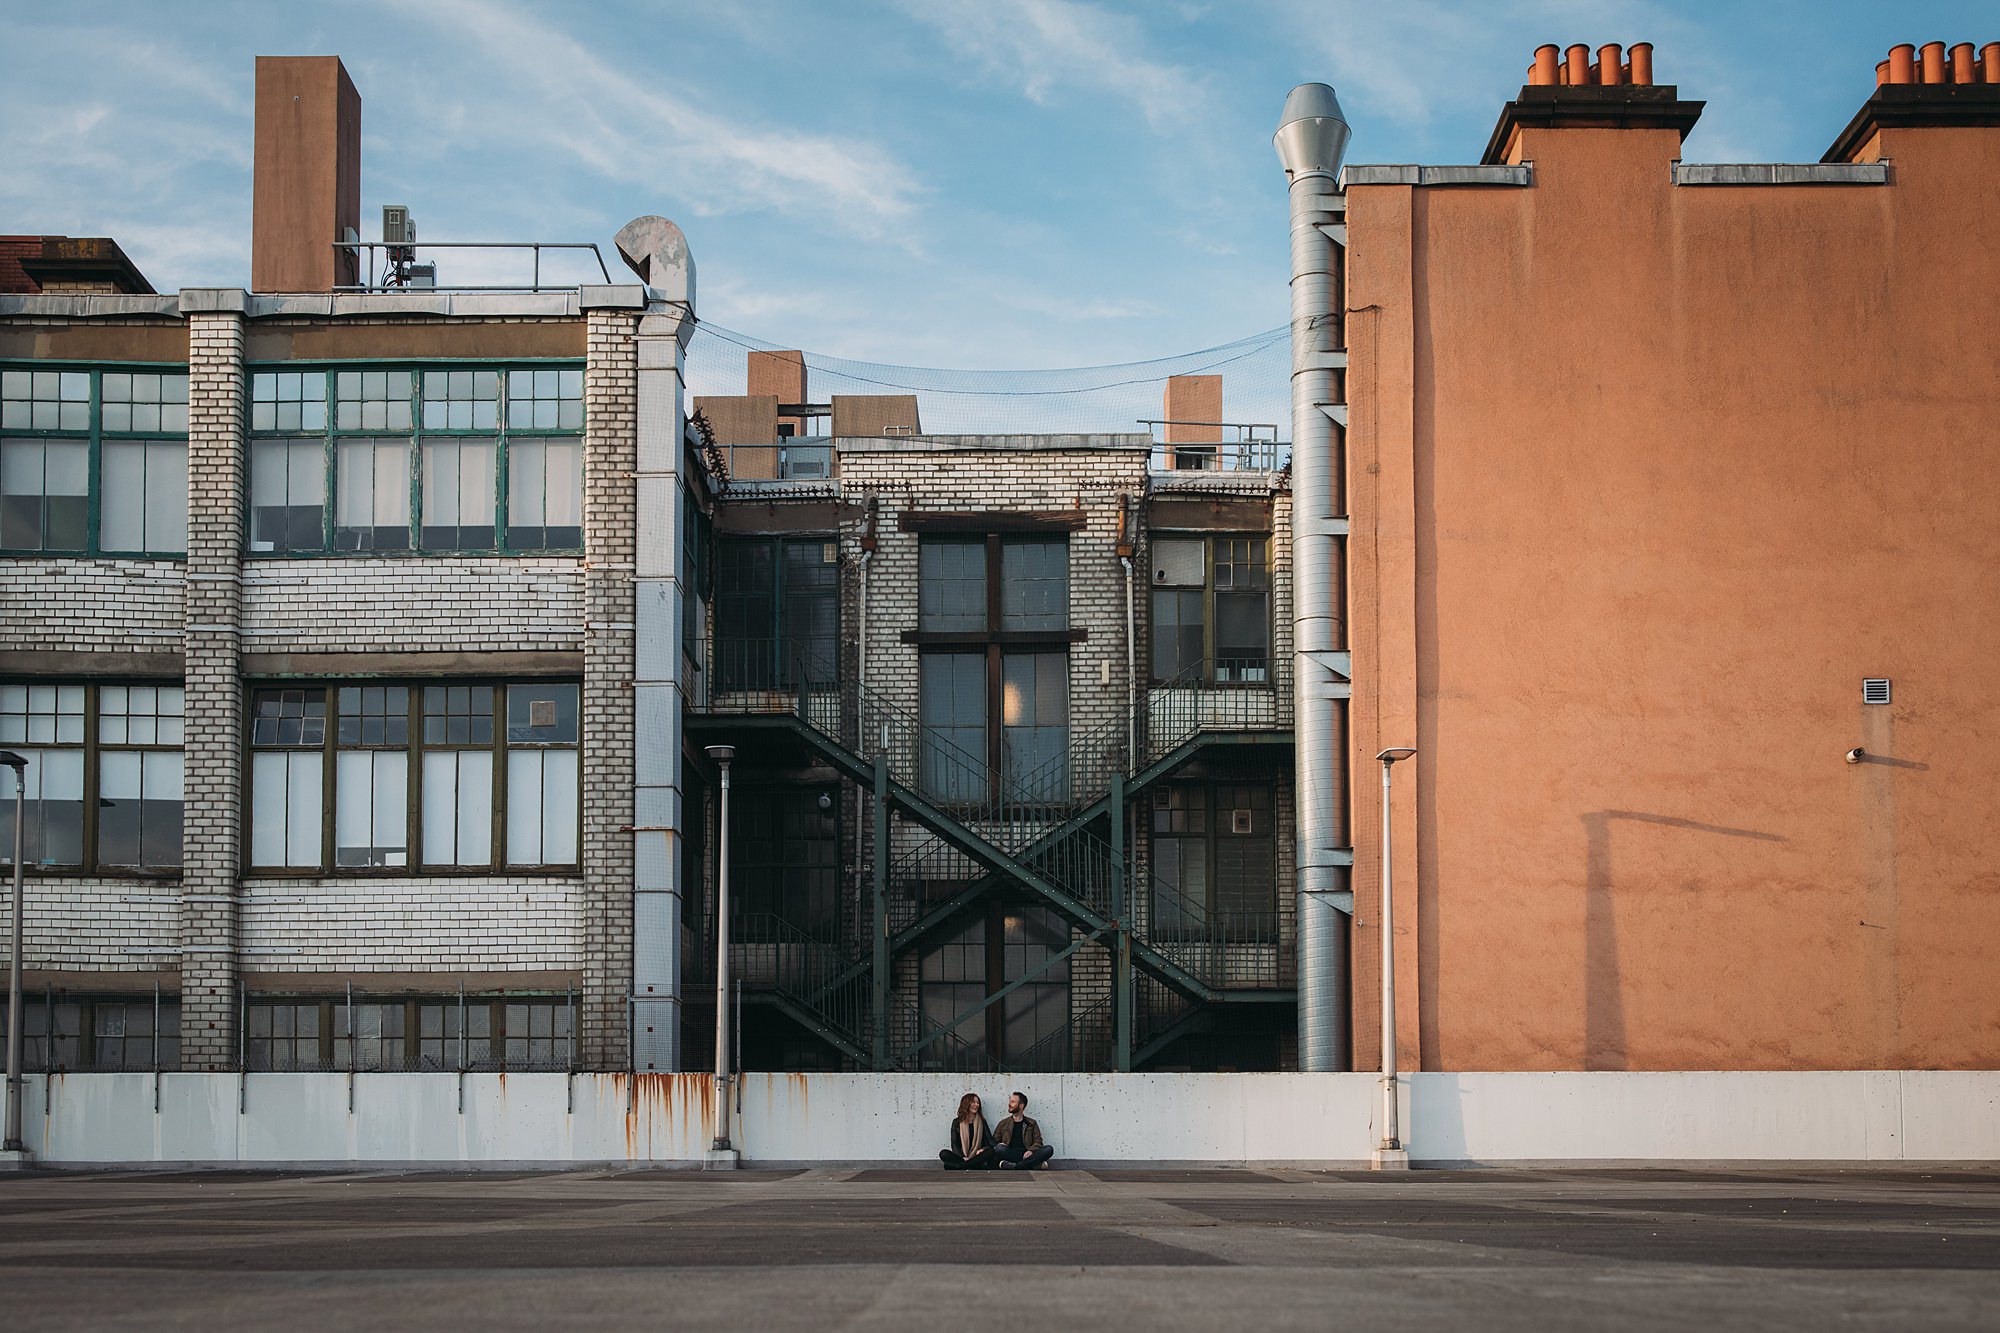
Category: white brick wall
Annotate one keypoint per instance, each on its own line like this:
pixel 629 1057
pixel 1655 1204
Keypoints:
pixel 411 604
pixel 418 924
pixel 77 924
pixel 78 605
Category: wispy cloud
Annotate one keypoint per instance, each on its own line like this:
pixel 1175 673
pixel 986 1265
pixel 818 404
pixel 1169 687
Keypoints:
pixel 1423 65
pixel 1058 50
pixel 118 158
pixel 622 123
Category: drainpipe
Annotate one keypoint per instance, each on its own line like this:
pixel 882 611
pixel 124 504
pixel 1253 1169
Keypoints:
pixel 1127 547
pixel 868 543
pixel 15 1147
pixel 1312 136
pixel 1131 674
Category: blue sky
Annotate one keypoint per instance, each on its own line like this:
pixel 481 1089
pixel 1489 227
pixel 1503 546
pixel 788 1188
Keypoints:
pixel 989 183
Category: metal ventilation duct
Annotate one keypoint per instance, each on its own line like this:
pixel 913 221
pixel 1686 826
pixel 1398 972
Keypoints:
pixel 1311 139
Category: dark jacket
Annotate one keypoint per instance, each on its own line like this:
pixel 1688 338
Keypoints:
pixel 1027 1136
pixel 951 1135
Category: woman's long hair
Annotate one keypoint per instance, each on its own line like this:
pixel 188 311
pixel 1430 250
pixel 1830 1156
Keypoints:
pixel 965 1112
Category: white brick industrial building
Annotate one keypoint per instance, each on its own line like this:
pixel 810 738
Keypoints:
pixel 364 646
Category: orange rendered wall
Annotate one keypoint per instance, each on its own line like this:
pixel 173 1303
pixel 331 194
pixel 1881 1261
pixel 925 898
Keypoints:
pixel 1644 481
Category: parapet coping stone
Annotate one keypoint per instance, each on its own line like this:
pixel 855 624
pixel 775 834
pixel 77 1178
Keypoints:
pixel 1781 173
pixel 78 305
pixel 943 444
pixel 1409 173
pixel 322 305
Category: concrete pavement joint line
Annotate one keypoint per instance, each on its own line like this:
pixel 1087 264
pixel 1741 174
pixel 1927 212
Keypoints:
pixel 627 1214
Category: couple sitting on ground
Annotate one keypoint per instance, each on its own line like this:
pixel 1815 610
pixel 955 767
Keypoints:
pixel 1016 1144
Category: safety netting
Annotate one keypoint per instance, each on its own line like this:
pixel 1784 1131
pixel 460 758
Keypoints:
pixel 1255 371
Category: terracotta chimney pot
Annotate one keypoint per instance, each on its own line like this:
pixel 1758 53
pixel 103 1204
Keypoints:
pixel 1964 68
pixel 1989 56
pixel 1578 65
pixel 1608 61
pixel 1881 72
pixel 1933 54
pixel 1548 57
pixel 1903 63
pixel 1642 64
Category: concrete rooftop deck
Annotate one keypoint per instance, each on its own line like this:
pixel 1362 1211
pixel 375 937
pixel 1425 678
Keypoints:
pixel 921 1249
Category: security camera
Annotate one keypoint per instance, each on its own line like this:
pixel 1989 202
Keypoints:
pixel 1856 755
pixel 825 803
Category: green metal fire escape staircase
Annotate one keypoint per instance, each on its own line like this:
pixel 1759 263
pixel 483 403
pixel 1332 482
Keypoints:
pixel 1039 832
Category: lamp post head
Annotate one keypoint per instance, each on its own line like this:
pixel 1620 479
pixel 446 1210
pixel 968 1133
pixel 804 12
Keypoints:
pixel 1395 753
pixel 1312 132
pixel 8 759
pixel 721 754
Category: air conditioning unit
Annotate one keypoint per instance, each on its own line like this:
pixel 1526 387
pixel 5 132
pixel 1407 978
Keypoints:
pixel 398 228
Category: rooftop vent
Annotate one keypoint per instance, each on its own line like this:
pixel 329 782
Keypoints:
pixel 1874 691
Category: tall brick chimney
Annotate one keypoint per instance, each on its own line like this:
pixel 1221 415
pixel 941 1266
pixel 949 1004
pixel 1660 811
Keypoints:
pixel 781 375
pixel 1192 406
pixel 307 189
pixel 1567 89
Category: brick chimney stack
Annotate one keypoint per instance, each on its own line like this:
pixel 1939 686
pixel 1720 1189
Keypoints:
pixel 1567 89
pixel 307 188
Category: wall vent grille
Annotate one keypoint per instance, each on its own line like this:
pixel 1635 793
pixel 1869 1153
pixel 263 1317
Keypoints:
pixel 1874 691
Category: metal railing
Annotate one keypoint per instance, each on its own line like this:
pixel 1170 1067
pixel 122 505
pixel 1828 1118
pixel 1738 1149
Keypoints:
pixel 1214 695
pixel 1228 948
pixel 942 1049
pixel 799 458
pixel 534 284
pixel 1242 446
pixel 1030 815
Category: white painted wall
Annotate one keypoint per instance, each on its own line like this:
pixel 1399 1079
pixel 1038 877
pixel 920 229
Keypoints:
pixel 1307 1119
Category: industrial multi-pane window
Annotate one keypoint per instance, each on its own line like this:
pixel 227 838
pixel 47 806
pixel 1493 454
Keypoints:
pixel 993 624
pixel 1211 609
pixel 785 859
pixel 455 771
pixel 777 612
pixel 416 459
pixel 1214 862
pixel 93 462
pixel 430 1032
pixel 67 1033
pixel 1026 1028
pixel 103 776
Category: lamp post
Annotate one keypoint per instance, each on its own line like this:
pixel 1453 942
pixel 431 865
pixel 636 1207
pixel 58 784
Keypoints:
pixel 13 1144
pixel 1391 1155
pixel 722 755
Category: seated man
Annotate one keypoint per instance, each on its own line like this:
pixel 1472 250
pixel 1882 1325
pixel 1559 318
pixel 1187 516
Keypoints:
pixel 1017 1139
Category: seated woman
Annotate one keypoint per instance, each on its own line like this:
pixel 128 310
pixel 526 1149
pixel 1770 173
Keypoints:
pixel 969 1142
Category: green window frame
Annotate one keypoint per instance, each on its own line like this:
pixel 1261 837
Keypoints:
pixel 414 458
pixel 777 612
pixel 105 774
pixel 84 1032
pixel 1214 858
pixel 993 636
pixel 413 777
pixel 439 1032
pixel 1211 608
pixel 111 439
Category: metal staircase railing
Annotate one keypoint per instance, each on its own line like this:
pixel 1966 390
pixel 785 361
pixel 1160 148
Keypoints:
pixel 1038 818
